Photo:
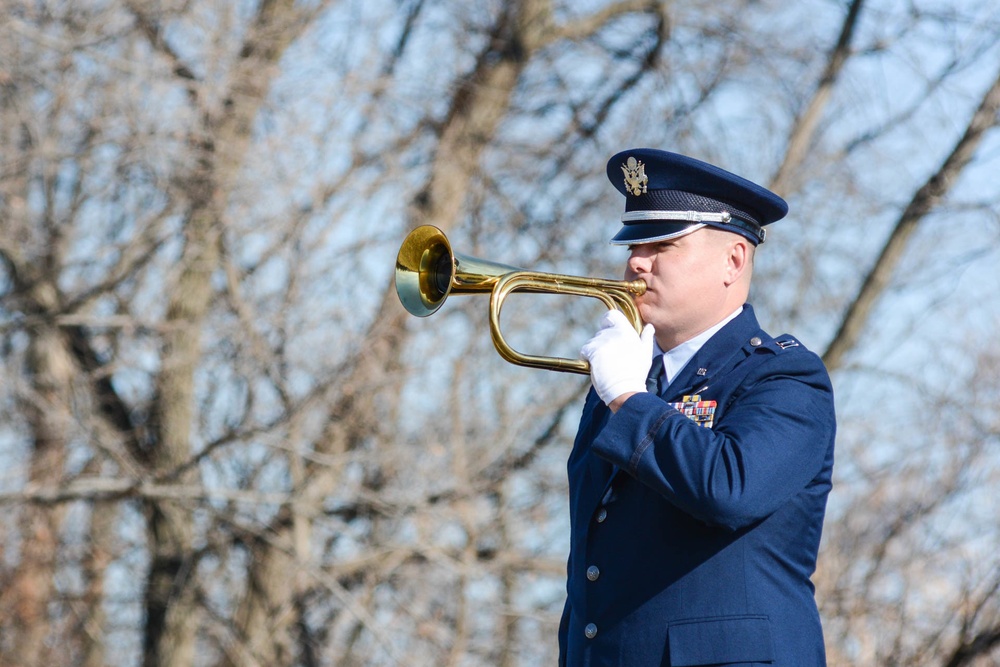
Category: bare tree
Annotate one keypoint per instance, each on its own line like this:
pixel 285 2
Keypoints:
pixel 224 441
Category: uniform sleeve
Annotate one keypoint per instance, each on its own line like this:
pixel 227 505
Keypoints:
pixel 769 443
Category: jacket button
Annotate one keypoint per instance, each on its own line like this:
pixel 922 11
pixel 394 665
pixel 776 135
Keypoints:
pixel 590 631
pixel 593 572
pixel 756 341
pixel 602 514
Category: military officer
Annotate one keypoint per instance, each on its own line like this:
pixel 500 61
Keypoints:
pixel 697 486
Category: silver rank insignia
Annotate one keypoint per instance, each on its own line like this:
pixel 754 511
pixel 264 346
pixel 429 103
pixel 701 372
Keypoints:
pixel 697 410
pixel 635 176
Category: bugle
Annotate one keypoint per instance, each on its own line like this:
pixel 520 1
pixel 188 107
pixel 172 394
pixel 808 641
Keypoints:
pixel 428 271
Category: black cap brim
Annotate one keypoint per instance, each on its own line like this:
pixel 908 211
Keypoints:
pixel 653 231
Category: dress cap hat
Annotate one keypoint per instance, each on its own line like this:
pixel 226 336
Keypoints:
pixel 668 195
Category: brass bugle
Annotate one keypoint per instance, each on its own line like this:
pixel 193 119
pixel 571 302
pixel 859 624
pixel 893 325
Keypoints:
pixel 428 271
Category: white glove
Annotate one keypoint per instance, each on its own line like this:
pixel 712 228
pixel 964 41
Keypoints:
pixel 619 357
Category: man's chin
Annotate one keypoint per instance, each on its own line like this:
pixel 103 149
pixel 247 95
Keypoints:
pixel 646 312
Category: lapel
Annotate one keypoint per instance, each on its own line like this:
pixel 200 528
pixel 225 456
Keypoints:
pixel 716 357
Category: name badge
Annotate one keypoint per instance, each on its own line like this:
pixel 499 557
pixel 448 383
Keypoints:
pixel 697 410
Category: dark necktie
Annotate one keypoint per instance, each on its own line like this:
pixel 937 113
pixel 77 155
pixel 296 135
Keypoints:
pixel 655 374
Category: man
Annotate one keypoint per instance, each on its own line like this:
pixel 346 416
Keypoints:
pixel 697 501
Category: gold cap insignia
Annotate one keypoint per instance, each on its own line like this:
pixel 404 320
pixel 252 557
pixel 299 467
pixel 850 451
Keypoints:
pixel 635 176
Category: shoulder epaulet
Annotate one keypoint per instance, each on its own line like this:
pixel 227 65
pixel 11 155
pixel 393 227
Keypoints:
pixel 775 345
pixel 784 342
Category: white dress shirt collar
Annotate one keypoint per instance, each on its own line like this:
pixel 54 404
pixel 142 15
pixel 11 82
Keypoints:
pixel 677 358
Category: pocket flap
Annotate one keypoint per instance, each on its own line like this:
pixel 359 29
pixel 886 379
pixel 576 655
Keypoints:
pixel 713 641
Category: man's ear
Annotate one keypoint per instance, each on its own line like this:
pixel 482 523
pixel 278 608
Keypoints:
pixel 739 260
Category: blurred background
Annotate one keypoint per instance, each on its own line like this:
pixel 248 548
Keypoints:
pixel 223 441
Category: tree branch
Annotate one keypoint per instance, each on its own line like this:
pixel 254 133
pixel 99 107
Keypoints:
pixel 804 128
pixel 923 202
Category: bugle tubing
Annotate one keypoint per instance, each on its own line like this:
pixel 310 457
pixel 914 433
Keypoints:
pixel 428 271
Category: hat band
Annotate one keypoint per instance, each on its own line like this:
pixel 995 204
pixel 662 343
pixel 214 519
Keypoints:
pixel 685 216
pixel 749 229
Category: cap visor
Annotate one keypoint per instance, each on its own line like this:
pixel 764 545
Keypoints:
pixel 653 232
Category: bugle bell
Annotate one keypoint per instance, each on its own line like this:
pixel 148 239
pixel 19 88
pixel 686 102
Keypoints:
pixel 428 271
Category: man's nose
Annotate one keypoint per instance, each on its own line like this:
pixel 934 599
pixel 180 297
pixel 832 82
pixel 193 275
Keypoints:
pixel 639 261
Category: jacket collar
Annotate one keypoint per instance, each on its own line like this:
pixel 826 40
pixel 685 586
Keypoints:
pixel 719 353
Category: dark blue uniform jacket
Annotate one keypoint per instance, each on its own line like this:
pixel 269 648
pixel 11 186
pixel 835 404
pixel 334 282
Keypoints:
pixel 694 545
